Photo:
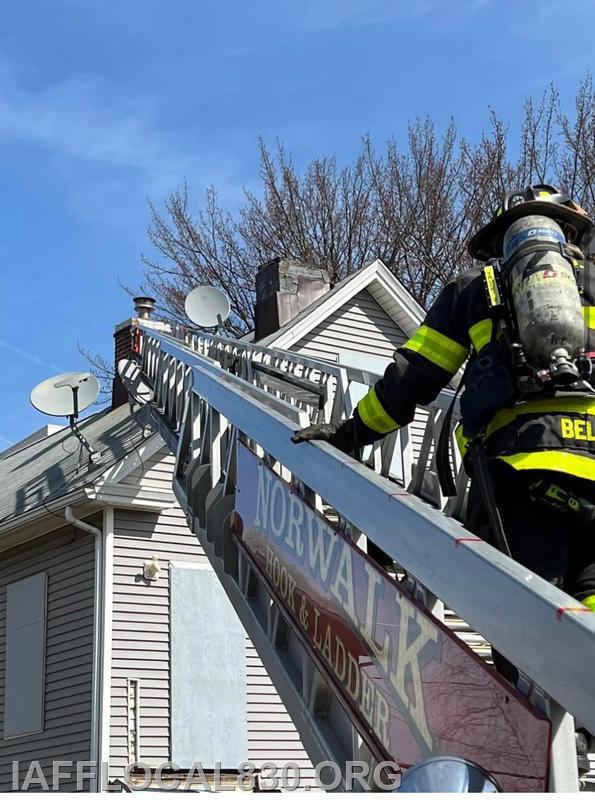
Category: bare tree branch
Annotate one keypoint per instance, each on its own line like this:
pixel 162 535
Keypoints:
pixel 413 203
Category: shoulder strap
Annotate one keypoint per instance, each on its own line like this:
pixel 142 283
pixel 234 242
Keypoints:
pixel 445 477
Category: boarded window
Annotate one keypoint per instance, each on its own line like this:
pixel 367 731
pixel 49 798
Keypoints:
pixel 25 655
pixel 208 673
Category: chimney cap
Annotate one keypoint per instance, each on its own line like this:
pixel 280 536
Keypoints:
pixel 144 306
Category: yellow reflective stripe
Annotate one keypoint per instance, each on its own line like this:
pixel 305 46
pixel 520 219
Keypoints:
pixel 373 415
pixel 589 313
pixel 492 285
pixel 578 405
pixel 481 333
pixel 461 439
pixel 568 405
pixel 589 602
pixel 438 348
pixel 556 460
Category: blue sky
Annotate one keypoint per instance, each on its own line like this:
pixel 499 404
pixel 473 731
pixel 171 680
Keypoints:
pixel 106 104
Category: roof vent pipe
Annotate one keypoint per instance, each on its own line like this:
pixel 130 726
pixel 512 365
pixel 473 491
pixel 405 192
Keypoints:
pixel 143 307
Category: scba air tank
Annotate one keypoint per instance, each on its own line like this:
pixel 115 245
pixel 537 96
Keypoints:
pixel 544 292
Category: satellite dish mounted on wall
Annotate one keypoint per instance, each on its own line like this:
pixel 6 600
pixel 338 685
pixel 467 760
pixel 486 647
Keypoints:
pixel 138 387
pixel 135 381
pixel 66 395
pixel 207 307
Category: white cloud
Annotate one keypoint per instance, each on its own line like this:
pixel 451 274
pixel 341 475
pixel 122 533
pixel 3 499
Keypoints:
pixel 322 15
pixel 22 354
pixel 331 14
pixel 25 355
pixel 85 124
pixel 73 119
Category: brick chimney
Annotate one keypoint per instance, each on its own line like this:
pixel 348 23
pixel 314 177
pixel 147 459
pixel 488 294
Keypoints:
pixel 123 341
pixel 284 287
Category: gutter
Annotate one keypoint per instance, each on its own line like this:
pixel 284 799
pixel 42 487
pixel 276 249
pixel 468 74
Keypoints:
pixel 41 511
pixel 99 627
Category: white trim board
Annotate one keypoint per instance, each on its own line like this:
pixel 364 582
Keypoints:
pixel 143 499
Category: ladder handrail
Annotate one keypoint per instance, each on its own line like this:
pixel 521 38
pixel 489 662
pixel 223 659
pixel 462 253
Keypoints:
pixel 357 374
pixel 398 456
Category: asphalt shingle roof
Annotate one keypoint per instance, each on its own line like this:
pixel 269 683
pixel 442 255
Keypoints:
pixel 57 466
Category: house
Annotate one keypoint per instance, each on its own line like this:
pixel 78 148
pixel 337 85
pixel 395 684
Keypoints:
pixel 117 644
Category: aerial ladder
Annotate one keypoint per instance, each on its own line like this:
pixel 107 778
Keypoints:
pixel 374 663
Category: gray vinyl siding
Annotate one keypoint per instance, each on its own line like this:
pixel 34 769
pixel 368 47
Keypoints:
pixel 67 556
pixel 141 631
pixel 155 473
pixel 361 325
pixel 272 736
pixel 417 429
pixel 403 316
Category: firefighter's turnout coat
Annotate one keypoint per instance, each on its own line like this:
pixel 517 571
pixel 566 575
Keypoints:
pixel 547 431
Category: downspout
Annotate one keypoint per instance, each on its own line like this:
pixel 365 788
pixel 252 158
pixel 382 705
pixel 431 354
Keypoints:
pixel 98 624
pixel 78 523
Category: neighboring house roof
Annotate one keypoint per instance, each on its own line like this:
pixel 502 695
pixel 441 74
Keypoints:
pixel 36 436
pixel 42 477
pixel 379 281
pixel 54 469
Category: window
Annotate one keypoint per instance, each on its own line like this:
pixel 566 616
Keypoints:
pixel 25 656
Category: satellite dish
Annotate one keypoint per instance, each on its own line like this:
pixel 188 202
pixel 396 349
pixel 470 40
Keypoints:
pixel 65 395
pixel 207 306
pixel 135 381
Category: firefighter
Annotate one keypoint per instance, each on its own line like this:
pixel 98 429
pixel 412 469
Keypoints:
pixel 528 405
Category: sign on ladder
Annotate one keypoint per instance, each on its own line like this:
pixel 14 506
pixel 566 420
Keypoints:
pixel 412 688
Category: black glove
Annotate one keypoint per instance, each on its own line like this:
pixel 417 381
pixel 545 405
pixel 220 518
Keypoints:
pixel 323 433
pixel 341 435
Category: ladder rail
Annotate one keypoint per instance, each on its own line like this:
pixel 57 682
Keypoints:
pixel 337 383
